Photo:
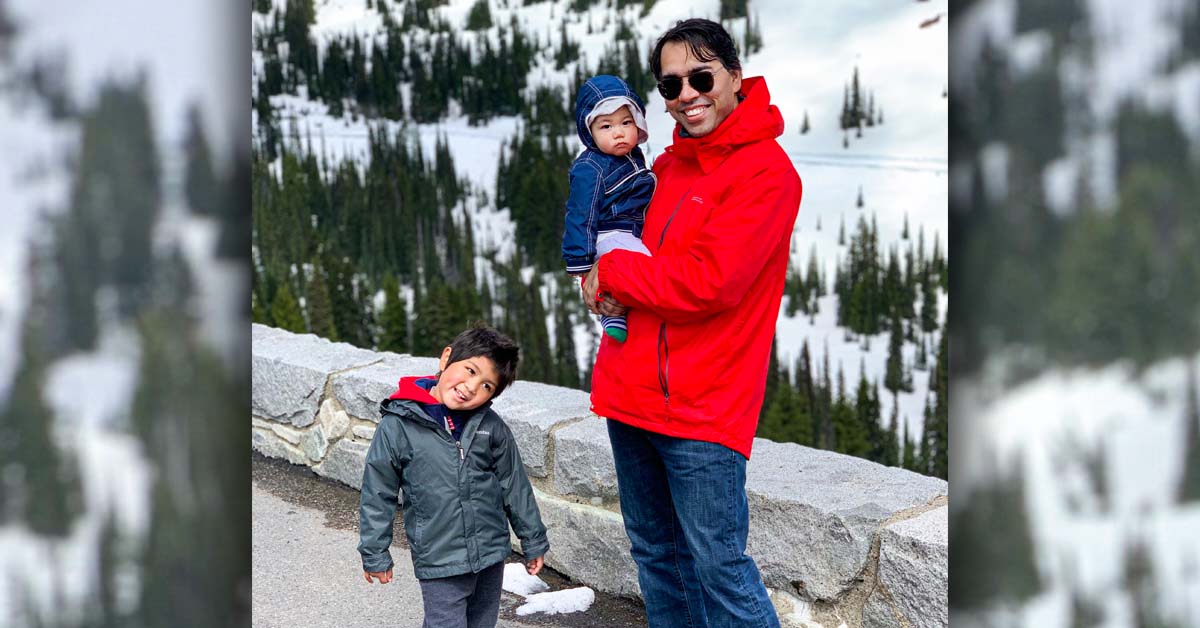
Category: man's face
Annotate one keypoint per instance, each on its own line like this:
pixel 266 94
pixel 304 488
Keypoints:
pixel 465 384
pixel 699 113
pixel 615 133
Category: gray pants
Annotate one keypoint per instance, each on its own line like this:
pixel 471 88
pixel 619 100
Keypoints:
pixel 470 600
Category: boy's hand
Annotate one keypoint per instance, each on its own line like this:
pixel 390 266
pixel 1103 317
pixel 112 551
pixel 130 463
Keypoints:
pixel 383 576
pixel 534 566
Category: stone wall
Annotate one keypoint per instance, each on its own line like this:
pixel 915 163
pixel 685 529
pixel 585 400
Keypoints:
pixel 838 539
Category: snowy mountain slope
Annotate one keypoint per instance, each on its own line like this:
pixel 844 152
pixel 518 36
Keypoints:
pixel 808 54
pixel 173 52
pixel 1102 449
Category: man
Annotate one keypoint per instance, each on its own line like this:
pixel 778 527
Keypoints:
pixel 682 394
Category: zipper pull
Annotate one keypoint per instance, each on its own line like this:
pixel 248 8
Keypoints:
pixel 461 455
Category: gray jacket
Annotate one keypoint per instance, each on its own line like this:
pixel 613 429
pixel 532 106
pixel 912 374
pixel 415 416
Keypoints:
pixel 458 503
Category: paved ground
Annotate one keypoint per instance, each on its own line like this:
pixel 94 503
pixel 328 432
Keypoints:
pixel 307 571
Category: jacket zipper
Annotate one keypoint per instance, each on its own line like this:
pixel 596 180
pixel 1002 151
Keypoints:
pixel 664 353
pixel 664 364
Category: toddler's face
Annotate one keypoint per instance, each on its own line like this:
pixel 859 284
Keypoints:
pixel 615 133
pixel 465 384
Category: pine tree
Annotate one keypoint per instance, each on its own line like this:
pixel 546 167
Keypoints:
pixel 904 233
pixel 804 126
pixel 285 311
pixel 842 232
pixel 116 193
pixel 908 458
pixel 866 411
pixel 480 17
pixel 937 432
pixel 200 182
pixel 850 433
pixel 994 548
pixel 200 497
pixel 929 305
pixel 1189 486
pixel 564 338
pixel 892 455
pixel 319 305
pixel 894 379
pixel 41 482
pixel 856 103
pixel 393 319
pixel 859 202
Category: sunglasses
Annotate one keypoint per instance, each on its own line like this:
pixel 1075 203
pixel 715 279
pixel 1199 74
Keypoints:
pixel 701 80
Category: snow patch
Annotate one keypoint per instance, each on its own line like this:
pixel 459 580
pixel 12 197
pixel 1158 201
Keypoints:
pixel 518 581
pixel 575 600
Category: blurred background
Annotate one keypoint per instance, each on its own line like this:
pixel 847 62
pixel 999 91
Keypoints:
pixel 124 339
pixel 1075 232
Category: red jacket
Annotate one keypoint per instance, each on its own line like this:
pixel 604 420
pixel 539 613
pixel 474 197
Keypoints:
pixel 703 309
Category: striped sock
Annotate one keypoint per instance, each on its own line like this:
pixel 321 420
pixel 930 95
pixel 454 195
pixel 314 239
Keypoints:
pixel 614 327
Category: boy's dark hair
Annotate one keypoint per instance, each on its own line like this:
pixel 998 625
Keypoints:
pixel 484 341
pixel 705 39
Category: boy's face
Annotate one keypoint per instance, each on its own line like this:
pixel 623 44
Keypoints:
pixel 465 384
pixel 615 133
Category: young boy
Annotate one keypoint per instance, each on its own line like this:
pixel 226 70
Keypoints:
pixel 456 463
pixel 610 185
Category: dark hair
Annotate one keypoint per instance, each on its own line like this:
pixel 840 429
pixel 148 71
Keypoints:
pixel 705 39
pixel 483 341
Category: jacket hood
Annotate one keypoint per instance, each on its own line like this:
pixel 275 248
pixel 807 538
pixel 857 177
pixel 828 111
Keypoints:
pixel 606 88
pixel 754 119
pixel 408 389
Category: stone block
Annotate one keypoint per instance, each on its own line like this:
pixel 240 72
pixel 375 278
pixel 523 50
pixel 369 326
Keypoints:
pixel 589 544
pixel 360 391
pixel 814 514
pixel 314 443
pixel 363 432
pixel 531 410
pixel 333 419
pixel 583 462
pixel 287 433
pixel 913 574
pixel 290 371
pixel 268 444
pixel 344 463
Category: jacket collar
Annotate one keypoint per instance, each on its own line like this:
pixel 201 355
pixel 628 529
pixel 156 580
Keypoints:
pixel 754 119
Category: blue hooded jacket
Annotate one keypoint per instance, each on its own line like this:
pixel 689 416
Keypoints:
pixel 607 193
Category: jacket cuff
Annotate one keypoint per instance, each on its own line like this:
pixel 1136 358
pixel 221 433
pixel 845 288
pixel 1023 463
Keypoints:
pixel 376 563
pixel 532 548
pixel 603 271
pixel 577 265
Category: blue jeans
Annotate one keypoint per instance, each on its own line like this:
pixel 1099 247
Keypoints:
pixel 685 510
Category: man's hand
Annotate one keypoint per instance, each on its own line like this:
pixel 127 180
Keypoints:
pixel 383 576
pixel 534 566
pixel 607 306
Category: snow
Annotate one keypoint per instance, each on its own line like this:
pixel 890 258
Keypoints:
pixel 96 388
pixel 575 600
pixel 179 55
pixel 116 480
pixel 89 393
pixel 1138 422
pixel 518 581
pixel 538 598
